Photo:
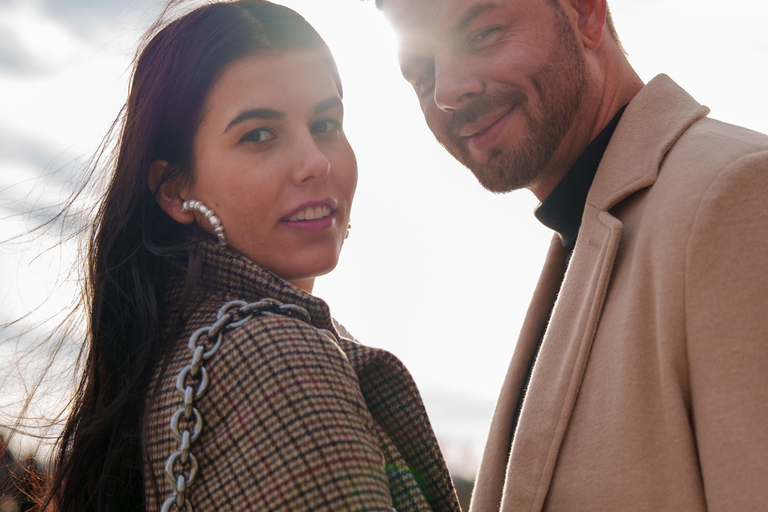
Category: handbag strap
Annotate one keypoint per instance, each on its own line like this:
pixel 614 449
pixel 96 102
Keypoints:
pixel 182 468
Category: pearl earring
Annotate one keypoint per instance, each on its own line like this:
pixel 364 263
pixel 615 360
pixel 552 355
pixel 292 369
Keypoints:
pixel 215 222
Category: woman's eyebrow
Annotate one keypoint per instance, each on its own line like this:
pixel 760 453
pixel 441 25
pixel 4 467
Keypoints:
pixel 268 113
pixel 328 104
pixel 257 113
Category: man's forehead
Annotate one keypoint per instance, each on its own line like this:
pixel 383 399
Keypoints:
pixel 417 20
pixel 408 16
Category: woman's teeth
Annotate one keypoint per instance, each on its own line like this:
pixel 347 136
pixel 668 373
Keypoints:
pixel 311 213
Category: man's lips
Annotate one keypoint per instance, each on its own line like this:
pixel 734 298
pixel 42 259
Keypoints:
pixel 483 125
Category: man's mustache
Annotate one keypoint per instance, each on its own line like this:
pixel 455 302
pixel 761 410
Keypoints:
pixel 480 107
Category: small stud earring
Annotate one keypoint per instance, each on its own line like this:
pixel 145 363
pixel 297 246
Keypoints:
pixel 346 234
pixel 215 222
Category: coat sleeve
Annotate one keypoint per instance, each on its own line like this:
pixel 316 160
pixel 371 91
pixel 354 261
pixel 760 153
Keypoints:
pixel 727 333
pixel 289 429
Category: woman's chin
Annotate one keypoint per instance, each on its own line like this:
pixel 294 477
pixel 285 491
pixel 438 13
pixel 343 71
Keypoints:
pixel 315 268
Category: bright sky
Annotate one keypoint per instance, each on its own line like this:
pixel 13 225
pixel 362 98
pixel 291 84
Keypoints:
pixel 436 269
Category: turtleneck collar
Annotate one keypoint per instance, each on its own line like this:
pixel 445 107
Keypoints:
pixel 563 208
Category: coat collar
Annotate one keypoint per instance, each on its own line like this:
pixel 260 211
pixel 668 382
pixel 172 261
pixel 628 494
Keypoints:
pixel 655 118
pixel 228 275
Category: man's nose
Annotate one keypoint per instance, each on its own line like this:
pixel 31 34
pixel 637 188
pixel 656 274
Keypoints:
pixel 455 83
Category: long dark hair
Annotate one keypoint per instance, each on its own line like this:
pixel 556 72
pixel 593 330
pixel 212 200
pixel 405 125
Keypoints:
pixel 98 463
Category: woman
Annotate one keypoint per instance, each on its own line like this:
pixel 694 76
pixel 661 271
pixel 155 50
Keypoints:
pixel 235 108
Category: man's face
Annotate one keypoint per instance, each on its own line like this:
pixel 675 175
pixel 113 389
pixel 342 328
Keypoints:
pixel 499 81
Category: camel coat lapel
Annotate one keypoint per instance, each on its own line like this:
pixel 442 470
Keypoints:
pixel 560 365
pixel 489 483
pixel 518 477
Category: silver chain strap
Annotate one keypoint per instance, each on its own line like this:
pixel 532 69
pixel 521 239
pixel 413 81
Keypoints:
pixel 182 468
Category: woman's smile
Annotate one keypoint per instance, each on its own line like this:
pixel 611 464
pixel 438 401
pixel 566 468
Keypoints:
pixel 313 216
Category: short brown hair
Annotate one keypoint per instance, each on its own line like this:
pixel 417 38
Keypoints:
pixel 608 21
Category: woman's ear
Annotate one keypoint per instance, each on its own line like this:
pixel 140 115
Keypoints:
pixel 168 193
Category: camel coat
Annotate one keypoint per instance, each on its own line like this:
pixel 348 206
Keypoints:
pixel 292 420
pixel 650 391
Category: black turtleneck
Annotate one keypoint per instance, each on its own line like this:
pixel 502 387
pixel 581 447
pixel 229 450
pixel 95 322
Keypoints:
pixel 563 208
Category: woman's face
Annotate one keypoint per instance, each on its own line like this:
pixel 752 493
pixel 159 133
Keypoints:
pixel 273 163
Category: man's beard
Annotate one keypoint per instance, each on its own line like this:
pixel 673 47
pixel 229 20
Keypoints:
pixel 560 84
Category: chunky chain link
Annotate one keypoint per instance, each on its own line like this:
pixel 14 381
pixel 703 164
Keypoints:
pixel 182 468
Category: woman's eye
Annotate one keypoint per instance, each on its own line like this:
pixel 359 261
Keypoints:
pixel 258 135
pixel 326 126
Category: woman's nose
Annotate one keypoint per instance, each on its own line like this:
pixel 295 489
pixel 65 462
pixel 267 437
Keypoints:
pixel 311 163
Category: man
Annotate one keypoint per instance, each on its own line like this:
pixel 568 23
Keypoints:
pixel 640 378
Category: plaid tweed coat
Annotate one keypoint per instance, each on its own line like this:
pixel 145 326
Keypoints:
pixel 291 420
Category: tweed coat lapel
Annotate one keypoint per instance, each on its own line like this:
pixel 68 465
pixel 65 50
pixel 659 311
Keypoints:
pixel 395 404
pixel 652 123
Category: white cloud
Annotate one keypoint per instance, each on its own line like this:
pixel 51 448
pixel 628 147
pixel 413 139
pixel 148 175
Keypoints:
pixel 45 44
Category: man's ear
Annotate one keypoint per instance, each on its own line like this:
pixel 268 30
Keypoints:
pixel 168 194
pixel 590 20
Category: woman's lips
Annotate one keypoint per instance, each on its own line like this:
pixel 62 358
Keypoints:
pixel 313 216
pixel 311 213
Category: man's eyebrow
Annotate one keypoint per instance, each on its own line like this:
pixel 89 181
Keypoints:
pixel 327 104
pixel 473 13
pixel 256 113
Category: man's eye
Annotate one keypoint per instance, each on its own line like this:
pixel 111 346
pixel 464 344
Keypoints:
pixel 423 83
pixel 483 36
pixel 427 75
pixel 326 126
pixel 258 135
